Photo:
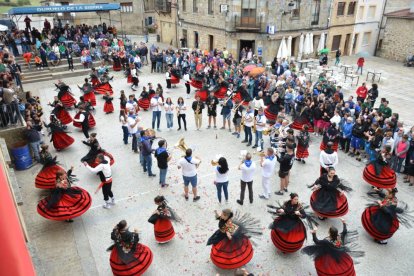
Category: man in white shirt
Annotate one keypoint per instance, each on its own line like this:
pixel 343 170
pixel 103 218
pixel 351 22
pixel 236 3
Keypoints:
pixel 189 166
pixel 134 76
pixel 132 122
pixel 260 125
pixel 156 106
pixel 131 104
pixel 168 77
pixel 248 123
pixel 268 163
pixel 105 174
pixel 248 168
pixel 258 103
pixel 328 158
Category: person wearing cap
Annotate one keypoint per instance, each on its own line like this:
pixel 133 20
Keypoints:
pixel 105 174
pixel 286 163
pixel 328 159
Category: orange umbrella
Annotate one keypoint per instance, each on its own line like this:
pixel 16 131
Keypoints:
pixel 256 71
pixel 249 67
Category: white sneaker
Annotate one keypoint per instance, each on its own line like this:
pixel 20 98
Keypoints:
pixel 113 201
pixel 107 205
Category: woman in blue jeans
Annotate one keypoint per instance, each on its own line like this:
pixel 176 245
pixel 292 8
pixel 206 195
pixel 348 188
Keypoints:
pixel 169 113
pixel 222 179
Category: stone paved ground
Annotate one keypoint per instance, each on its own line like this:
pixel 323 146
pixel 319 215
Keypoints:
pixel 79 248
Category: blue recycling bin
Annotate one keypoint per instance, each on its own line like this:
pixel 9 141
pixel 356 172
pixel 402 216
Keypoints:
pixel 21 155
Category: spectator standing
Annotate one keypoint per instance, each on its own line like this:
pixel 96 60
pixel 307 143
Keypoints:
pixel 373 95
pixel 34 140
pixel 146 151
pixel 169 113
pixel 248 168
pixel 181 109
pixel 163 157
pixel 360 64
pixel 401 149
pixel 338 57
pixel 156 106
pixel 132 122
pixel 268 164
pixel 362 92
pixel 222 178
pixel 189 166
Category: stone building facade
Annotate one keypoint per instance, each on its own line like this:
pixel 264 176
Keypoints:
pixel 257 24
pixel 398 39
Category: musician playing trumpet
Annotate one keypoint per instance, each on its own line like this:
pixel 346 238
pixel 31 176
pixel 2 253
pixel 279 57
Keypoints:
pixel 198 107
pixel 227 106
pixel 248 124
pixel 259 123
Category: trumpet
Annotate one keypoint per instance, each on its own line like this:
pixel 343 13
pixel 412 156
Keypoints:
pixel 214 162
pixel 266 131
pixel 237 106
pixel 181 145
pixel 261 154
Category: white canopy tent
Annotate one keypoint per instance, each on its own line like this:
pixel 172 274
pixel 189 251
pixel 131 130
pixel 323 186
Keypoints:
pixel 289 47
pixel 301 46
pixel 321 44
pixel 283 51
pixel 311 43
pixel 306 46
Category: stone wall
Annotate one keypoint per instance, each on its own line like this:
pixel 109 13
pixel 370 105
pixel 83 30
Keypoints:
pixel 398 39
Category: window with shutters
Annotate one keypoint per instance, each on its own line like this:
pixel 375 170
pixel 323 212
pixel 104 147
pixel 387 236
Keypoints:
pixel 351 8
pixel 341 9
pixel 127 7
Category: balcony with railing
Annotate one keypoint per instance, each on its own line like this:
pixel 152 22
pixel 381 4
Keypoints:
pixel 247 23
pixel 163 6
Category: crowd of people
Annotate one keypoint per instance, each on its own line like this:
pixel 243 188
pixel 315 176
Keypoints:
pixel 280 103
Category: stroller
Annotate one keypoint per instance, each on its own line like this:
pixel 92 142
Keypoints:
pixel 53 58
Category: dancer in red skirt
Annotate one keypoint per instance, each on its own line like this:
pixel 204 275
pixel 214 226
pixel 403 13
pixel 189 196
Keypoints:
pixel 272 109
pixel 94 151
pixel 128 256
pixel 304 117
pixel 197 80
pixel 202 93
pixel 328 199
pixel 46 178
pixel 144 101
pixel 288 231
pixel 303 144
pixel 161 218
pixel 332 256
pixel 116 64
pixel 104 86
pixel 231 247
pixel 94 77
pixel 64 94
pixel 60 112
pixel 59 137
pixel 84 119
pixel 88 93
pixel 331 135
pixel 108 106
pixel 379 174
pixel 175 76
pixel 64 202
pixel 382 219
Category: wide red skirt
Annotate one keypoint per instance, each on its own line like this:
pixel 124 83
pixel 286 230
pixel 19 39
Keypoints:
pixel 138 267
pixel 96 161
pixel 221 93
pixel 46 178
pixel 341 206
pixel 103 88
pixel 95 82
pixel 196 84
pixel 68 100
pixel 270 115
pixel 327 266
pixel 203 94
pixel 163 230
pixel 69 206
pixel 370 228
pixel 334 146
pixel 61 140
pixel 144 103
pixel 64 116
pixel 129 79
pixel 302 152
pixel 117 67
pixel 91 119
pixel 291 241
pixel 386 179
pixel 228 255
pixel 298 125
pixel 174 80
pixel 90 97
pixel 108 107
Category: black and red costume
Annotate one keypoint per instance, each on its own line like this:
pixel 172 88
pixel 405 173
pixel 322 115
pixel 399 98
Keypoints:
pixel 88 93
pixel 303 145
pixel 64 202
pixel 60 139
pixel 90 119
pixel 235 252
pixel 379 174
pixel 220 90
pixel 95 149
pixel 197 80
pixel 202 93
pixel 288 231
pixel 144 100
pixel 46 178
pixel 128 256
pixel 326 200
pixel 163 228
pixel 381 221
pixel 61 113
pixel 303 119
pixel 240 95
pixel 108 106
pixel 175 76
pixel 94 78
pixel 64 95
pixel 272 109
pixel 104 86
pixel 331 135
pixel 333 257
pixel 116 64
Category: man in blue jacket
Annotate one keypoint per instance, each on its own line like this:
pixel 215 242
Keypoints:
pixel 346 134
